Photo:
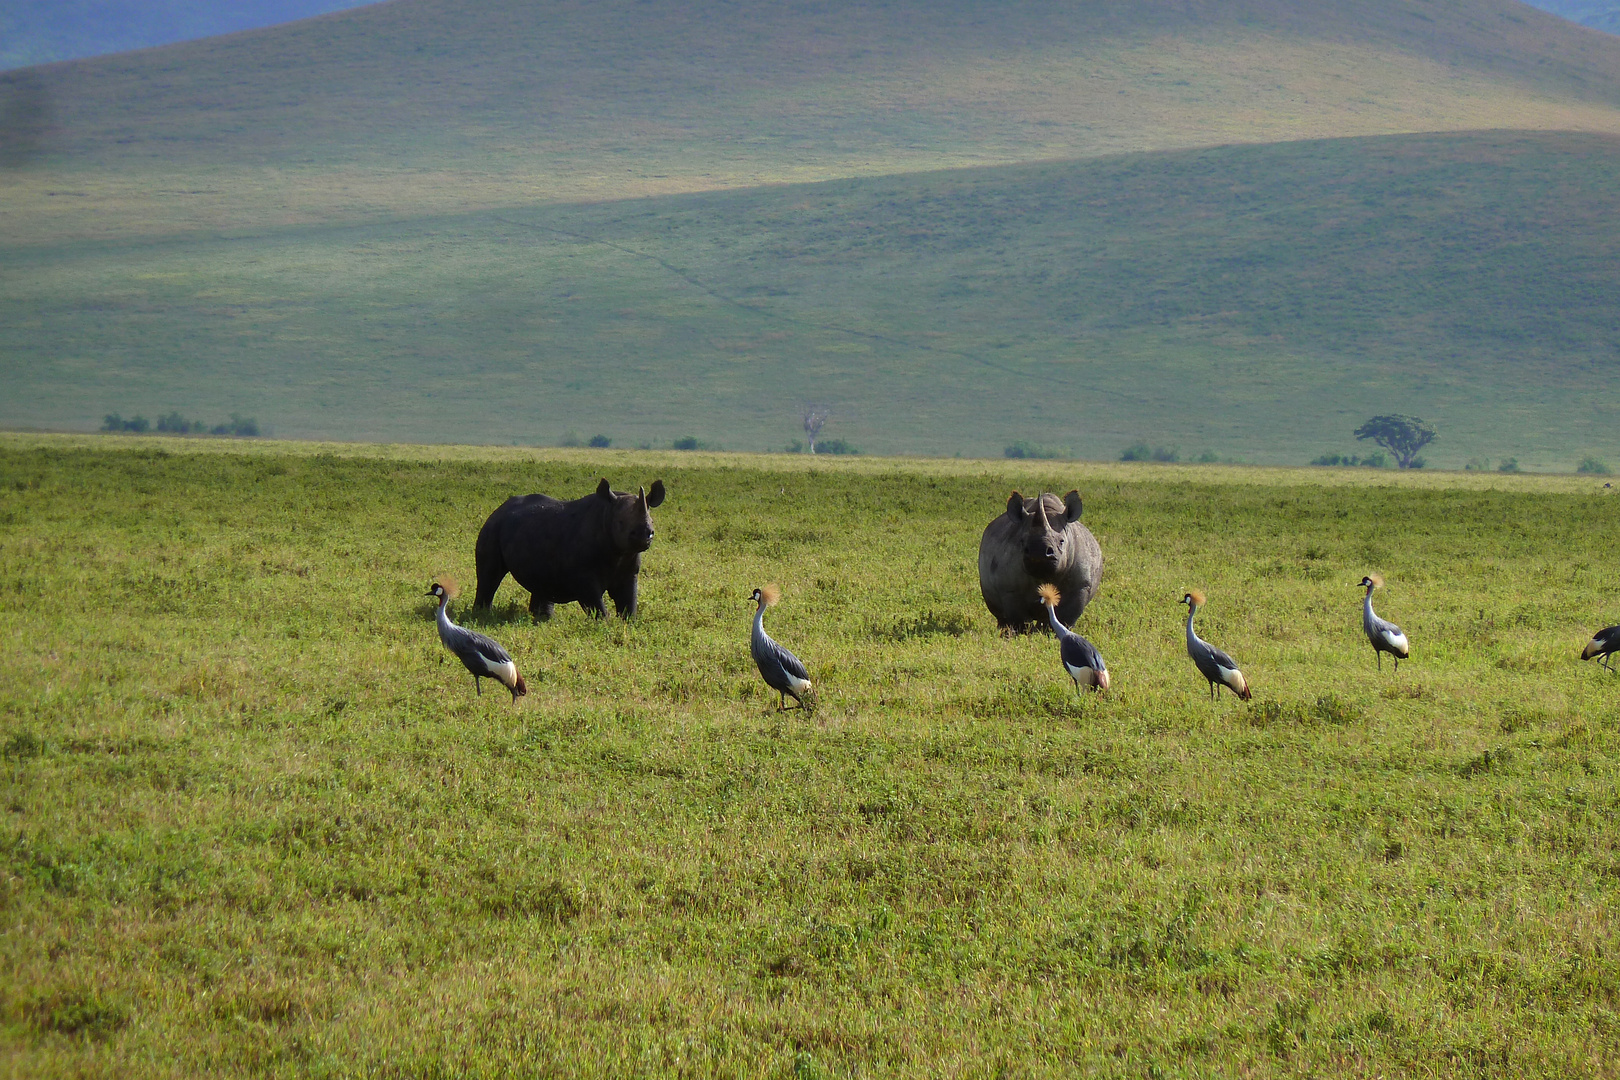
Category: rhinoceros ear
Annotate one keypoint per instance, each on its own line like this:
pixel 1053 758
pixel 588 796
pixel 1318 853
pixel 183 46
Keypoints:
pixel 604 490
pixel 1071 506
pixel 655 497
pixel 1015 506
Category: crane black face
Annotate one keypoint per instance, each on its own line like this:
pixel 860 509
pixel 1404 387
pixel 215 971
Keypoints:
pixel 1363 583
pixel 437 590
pixel 755 596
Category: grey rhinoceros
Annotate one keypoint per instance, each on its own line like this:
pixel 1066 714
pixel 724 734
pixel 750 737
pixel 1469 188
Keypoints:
pixel 1037 541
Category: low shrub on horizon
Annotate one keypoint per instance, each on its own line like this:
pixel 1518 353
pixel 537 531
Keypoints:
pixel 1374 460
pixel 1143 452
pixel 173 423
pixel 1033 451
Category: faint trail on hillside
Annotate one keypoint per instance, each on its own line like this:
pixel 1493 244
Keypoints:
pixel 782 317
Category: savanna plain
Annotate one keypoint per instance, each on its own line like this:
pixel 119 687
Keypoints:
pixel 256 821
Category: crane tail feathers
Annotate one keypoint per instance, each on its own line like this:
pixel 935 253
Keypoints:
pixel 1234 679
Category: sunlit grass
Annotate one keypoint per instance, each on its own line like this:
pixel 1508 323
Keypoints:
pixel 259 822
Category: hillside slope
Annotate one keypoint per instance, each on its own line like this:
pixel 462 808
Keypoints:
pixel 1256 302
pixel 437 105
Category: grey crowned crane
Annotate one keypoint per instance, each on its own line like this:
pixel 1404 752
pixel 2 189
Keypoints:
pixel 481 655
pixel 1385 636
pixel 780 669
pixel 1080 657
pixel 1604 642
pixel 1213 664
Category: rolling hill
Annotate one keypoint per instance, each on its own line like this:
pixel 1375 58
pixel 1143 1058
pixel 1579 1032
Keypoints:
pixel 438 105
pixel 1209 225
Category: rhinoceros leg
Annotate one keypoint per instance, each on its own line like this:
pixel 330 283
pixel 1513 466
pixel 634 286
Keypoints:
pixel 1070 608
pixel 624 597
pixel 590 598
pixel 491 571
pixel 539 608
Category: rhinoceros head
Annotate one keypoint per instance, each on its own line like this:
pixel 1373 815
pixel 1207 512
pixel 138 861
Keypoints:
pixel 1045 528
pixel 630 522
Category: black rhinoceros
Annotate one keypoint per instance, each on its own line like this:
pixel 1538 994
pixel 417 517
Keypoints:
pixel 1038 541
pixel 564 552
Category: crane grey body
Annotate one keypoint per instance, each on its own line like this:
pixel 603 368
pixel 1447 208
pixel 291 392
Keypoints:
pixel 1080 657
pixel 1603 643
pixel 781 670
pixel 481 655
pixel 1211 662
pixel 1385 636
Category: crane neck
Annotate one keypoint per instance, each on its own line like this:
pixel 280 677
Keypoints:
pixel 1192 609
pixel 1056 623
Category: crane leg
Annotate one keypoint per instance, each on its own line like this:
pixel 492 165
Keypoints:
pixel 478 686
pixel 1380 657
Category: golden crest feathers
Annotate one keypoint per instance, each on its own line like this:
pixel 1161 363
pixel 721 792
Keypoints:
pixel 1377 580
pixel 1049 594
pixel 1197 597
pixel 448 584
pixel 772 593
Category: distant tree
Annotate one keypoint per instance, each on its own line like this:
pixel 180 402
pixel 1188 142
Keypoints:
pixel 814 420
pixel 1022 449
pixel 1592 465
pixel 1508 465
pixel 1402 436
pixel 837 446
pixel 601 442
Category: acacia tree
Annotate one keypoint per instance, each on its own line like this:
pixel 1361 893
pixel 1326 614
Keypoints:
pixel 1402 436
pixel 814 420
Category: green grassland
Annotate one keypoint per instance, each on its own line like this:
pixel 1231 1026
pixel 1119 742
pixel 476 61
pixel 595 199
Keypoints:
pixel 257 822
pixel 1255 302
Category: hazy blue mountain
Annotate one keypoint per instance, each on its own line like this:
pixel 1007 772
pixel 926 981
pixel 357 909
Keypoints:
pixel 43 31
pixel 1598 14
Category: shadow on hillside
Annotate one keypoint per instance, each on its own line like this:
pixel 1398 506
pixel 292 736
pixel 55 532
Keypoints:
pixel 25 118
